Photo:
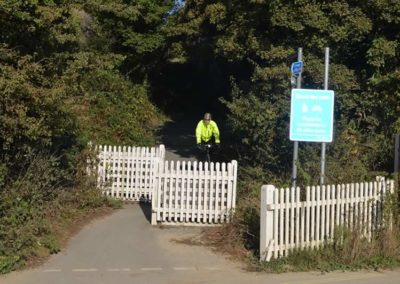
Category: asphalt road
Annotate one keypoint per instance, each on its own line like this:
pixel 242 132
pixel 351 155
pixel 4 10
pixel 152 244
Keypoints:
pixel 125 248
pixel 179 140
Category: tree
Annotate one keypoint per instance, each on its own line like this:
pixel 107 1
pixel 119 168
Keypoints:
pixel 133 29
pixel 32 117
pixel 254 43
pixel 39 28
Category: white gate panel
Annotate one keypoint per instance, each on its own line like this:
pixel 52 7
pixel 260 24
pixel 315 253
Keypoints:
pixel 195 193
pixel 180 192
pixel 127 173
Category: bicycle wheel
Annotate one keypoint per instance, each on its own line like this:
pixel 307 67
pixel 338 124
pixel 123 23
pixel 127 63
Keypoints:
pixel 208 157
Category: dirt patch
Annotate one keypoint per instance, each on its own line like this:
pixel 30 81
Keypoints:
pixel 224 240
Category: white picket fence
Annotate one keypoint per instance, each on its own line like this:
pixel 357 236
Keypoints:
pixel 127 173
pixel 199 193
pixel 291 219
pixel 180 192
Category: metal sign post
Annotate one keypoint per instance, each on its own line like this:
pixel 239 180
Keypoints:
pixel 396 153
pixel 396 159
pixel 323 150
pixel 311 114
pixel 298 68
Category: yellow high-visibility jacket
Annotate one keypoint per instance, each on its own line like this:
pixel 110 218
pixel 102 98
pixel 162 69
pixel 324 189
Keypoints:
pixel 205 132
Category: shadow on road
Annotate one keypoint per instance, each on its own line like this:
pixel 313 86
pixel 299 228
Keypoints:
pixel 179 137
pixel 146 209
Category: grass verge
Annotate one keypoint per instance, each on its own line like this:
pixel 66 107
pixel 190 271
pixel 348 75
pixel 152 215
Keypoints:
pixel 41 209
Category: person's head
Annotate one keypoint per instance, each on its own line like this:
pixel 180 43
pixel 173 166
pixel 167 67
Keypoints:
pixel 207 118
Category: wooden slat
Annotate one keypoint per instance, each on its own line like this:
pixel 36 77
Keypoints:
pixel 308 216
pixel 217 208
pixel 281 222
pixel 298 216
pixel 292 220
pixel 212 191
pixel 205 192
pixel 332 209
pixel 223 193
pixel 163 208
pixel 189 191
pixel 312 224
pixel 276 224
pixel 287 219
pixel 229 191
pixel 323 213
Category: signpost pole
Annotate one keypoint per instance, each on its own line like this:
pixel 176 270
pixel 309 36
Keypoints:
pixel 323 150
pixel 396 153
pixel 296 143
pixel 396 159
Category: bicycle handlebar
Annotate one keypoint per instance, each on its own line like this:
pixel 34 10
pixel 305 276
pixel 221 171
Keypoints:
pixel 205 146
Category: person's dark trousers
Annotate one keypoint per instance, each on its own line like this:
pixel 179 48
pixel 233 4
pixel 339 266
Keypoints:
pixel 202 151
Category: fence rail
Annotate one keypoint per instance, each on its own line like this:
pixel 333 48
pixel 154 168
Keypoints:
pixel 292 219
pixel 194 192
pixel 127 173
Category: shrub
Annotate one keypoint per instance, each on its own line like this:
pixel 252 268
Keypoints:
pixel 37 207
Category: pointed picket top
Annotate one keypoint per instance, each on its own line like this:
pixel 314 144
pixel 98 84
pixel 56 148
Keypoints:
pixel 224 167
pixel 212 166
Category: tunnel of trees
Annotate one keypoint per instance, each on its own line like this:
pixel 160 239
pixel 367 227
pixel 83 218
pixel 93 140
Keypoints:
pixel 104 71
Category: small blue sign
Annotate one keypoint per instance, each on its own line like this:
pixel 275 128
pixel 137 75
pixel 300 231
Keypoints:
pixel 297 67
pixel 311 115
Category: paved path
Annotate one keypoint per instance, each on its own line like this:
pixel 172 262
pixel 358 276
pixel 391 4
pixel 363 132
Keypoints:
pixel 125 248
pixel 179 140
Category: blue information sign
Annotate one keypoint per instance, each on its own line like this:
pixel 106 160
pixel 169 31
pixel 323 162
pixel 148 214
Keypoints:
pixel 297 67
pixel 311 115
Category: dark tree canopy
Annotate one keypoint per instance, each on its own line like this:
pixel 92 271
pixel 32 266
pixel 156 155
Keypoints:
pixel 104 64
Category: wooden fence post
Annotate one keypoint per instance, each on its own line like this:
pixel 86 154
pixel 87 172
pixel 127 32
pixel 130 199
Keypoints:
pixel 266 222
pixel 155 190
pixel 161 153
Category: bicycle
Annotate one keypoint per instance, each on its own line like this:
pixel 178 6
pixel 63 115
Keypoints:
pixel 206 148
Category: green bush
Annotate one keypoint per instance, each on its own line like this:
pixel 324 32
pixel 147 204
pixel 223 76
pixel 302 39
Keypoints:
pixel 35 206
pixel 109 108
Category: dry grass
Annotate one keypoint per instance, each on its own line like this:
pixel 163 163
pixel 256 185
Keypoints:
pixel 223 239
pixel 349 250
pixel 227 240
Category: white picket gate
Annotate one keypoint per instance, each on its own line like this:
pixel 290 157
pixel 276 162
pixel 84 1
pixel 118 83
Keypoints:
pixel 180 192
pixel 127 173
pixel 292 221
pixel 194 192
